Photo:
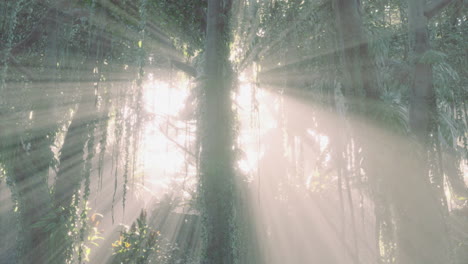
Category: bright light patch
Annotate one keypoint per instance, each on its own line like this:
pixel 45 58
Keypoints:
pixel 166 135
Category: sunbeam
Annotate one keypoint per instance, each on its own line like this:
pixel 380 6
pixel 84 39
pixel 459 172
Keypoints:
pixel 233 132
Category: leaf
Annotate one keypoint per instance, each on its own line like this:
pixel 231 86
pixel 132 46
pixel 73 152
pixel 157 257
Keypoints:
pixel 433 57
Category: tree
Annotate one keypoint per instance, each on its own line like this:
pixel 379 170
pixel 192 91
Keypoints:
pixel 421 201
pixel 216 155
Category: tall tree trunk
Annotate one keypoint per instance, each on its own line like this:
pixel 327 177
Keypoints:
pixel 359 81
pixel 422 98
pixel 216 159
pixel 421 232
pixel 359 70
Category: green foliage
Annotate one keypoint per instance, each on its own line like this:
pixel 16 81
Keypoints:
pixel 47 47
pixel 138 243
pixel 433 57
pixel 184 21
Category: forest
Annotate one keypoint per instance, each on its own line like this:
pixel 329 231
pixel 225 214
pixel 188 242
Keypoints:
pixel 233 131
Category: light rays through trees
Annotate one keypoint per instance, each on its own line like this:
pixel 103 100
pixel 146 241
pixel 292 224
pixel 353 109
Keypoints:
pixel 233 131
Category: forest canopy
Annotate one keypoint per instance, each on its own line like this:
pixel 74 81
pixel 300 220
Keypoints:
pixel 233 131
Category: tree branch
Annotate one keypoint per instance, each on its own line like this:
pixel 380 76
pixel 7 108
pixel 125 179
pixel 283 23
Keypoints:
pixel 183 148
pixel 188 69
pixel 434 8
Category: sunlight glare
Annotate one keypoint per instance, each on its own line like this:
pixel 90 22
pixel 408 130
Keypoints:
pixel 164 159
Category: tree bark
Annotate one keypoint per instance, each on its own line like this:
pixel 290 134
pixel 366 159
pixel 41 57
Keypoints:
pixel 422 97
pixel 359 70
pixel 421 231
pixel 216 161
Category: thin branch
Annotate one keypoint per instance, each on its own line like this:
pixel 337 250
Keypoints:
pixel 183 148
